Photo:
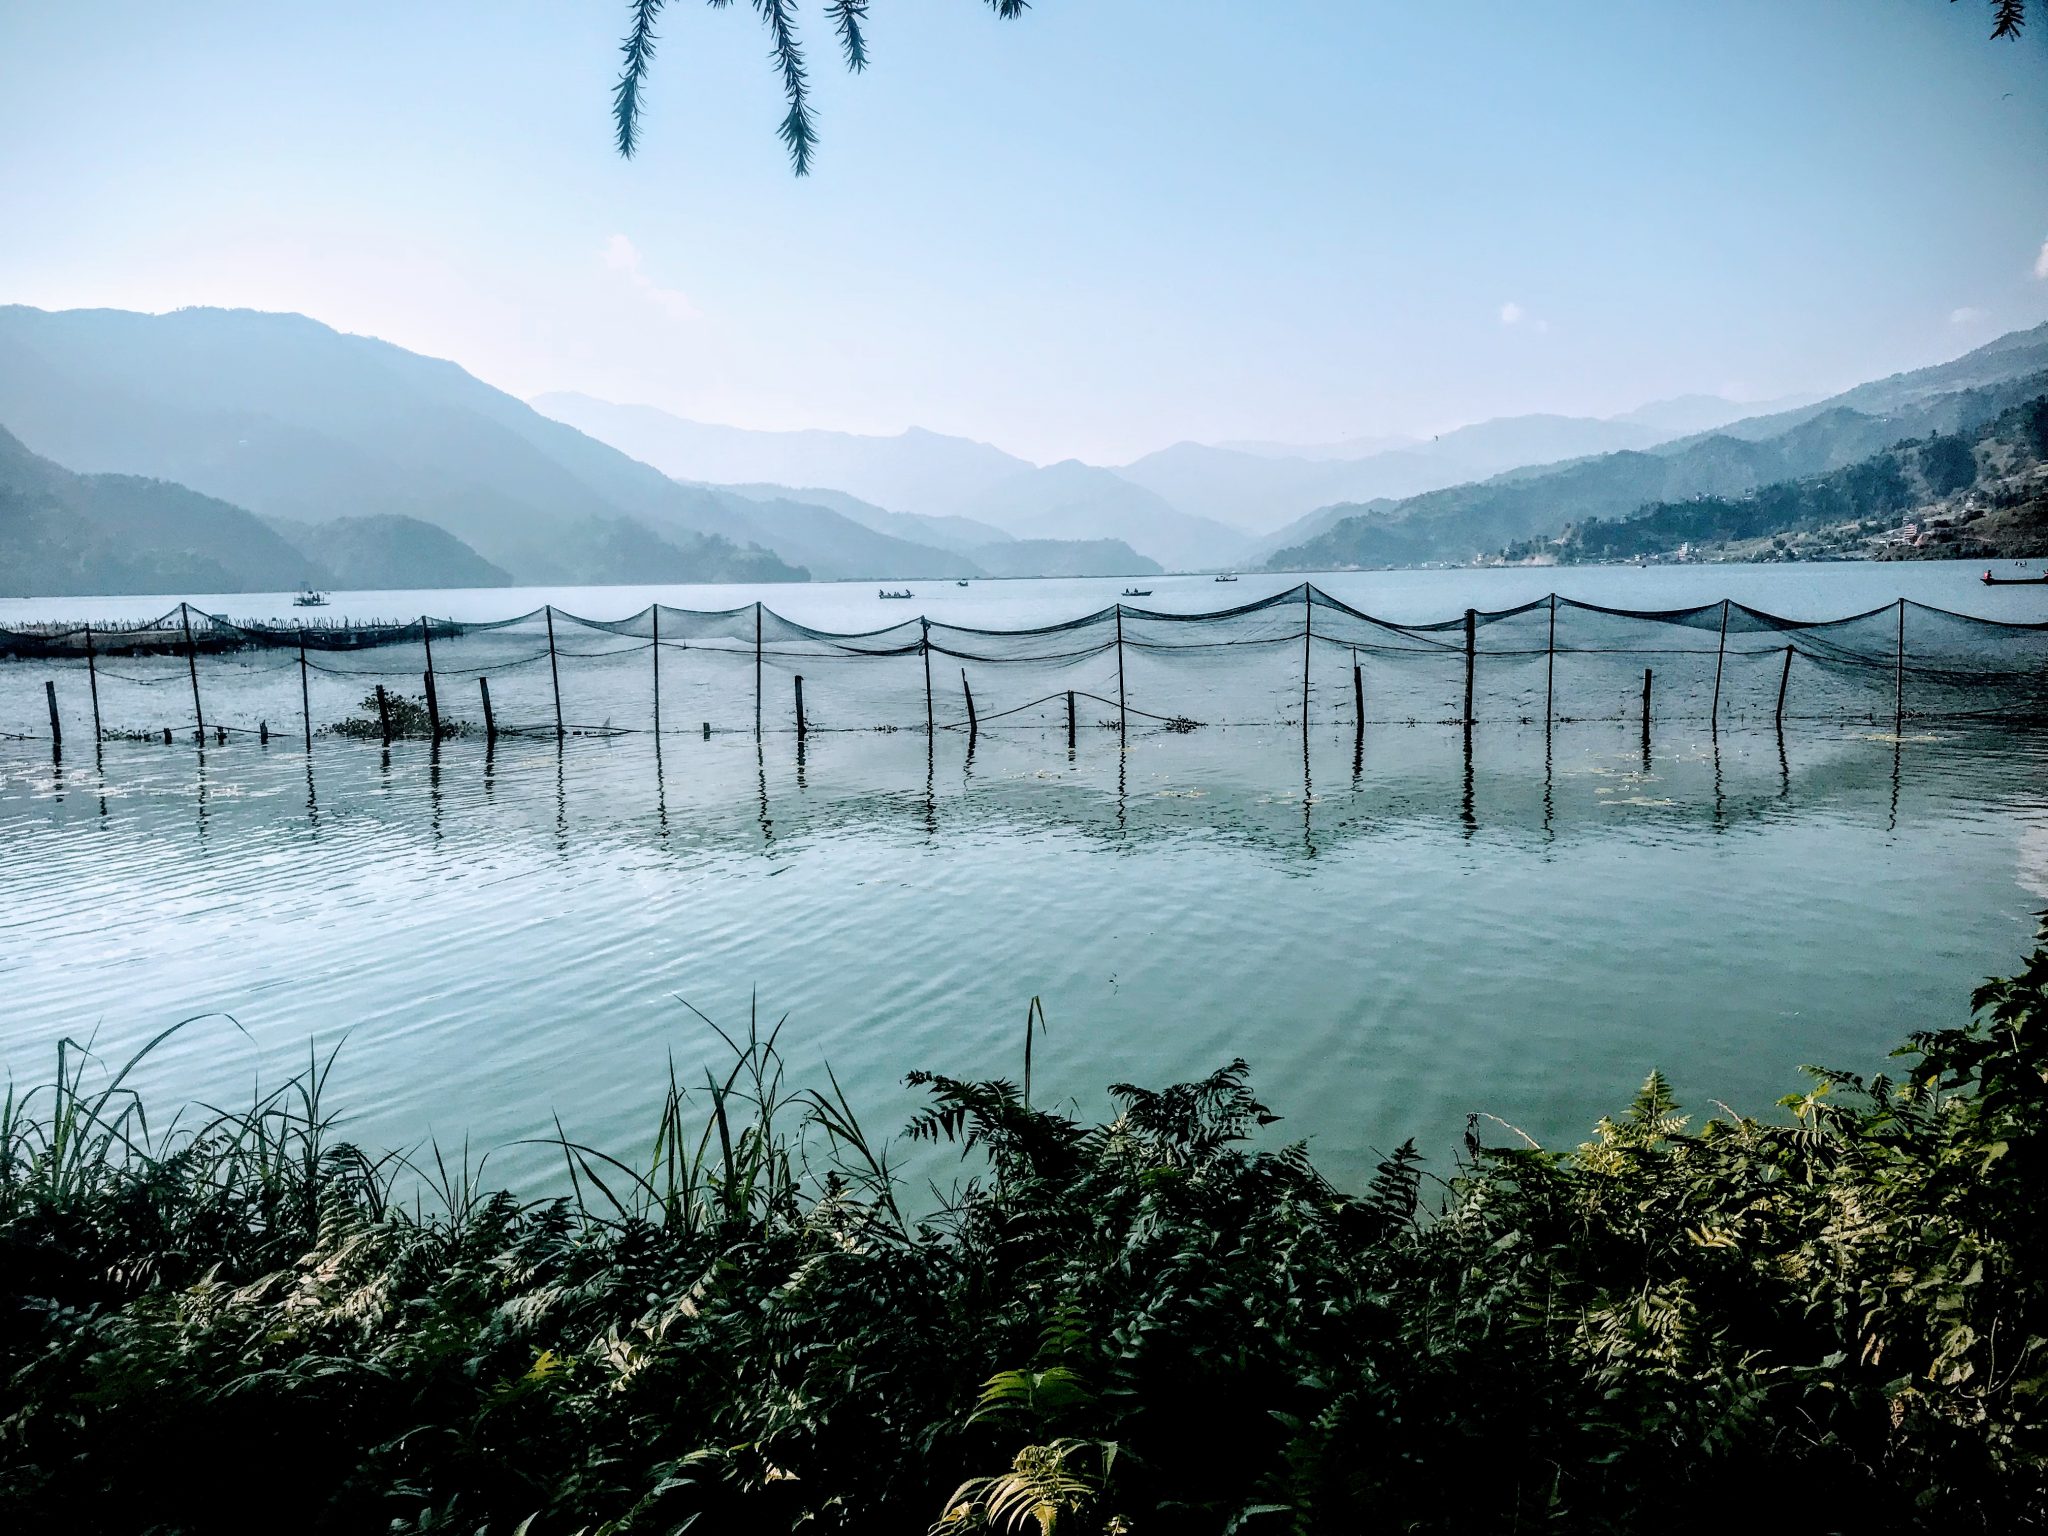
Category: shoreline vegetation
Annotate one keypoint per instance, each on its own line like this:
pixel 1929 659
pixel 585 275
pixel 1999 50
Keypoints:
pixel 1166 1322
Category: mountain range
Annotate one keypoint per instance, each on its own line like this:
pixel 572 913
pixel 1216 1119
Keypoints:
pixel 1466 522
pixel 227 449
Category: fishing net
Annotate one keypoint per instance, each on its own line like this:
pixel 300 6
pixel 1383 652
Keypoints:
pixel 1299 656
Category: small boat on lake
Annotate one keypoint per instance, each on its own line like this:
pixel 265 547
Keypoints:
pixel 309 599
pixel 886 593
pixel 1137 591
pixel 1226 578
pixel 2015 581
pixel 959 583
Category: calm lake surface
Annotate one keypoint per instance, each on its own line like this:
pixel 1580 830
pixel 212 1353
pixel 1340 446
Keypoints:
pixel 1391 941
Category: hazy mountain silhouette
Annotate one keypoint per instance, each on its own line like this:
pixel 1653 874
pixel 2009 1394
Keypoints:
pixel 1072 500
pixel 288 418
pixel 61 532
pixel 914 471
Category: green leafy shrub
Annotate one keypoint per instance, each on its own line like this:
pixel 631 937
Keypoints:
pixel 1835 1320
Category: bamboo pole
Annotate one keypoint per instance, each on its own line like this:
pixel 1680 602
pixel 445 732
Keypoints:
pixel 305 692
pixel 1550 664
pixel 1899 675
pixel 192 663
pixel 1720 659
pixel 555 675
pixel 92 677
pixel 384 713
pixel 1471 657
pixel 483 685
pixel 1070 719
pixel 56 725
pixel 973 723
pixel 924 645
pixel 1784 679
pixel 1121 709
pixel 757 669
pixel 1308 627
pixel 801 729
pixel 655 609
pixel 433 698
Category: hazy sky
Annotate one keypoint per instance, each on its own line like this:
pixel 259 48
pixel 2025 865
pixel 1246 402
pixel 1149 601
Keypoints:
pixel 1094 231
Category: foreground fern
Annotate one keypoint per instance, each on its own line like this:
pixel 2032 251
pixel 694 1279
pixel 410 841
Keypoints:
pixel 1144 1325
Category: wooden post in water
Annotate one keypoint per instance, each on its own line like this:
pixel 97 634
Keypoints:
pixel 1358 700
pixel 924 645
pixel 1121 710
pixel 1646 720
pixel 433 698
pixel 192 663
pixel 555 674
pixel 384 713
pixel 1720 658
pixel 1070 719
pixel 757 669
pixel 1550 664
pixel 483 685
pixel 92 677
pixel 305 691
pixel 1899 675
pixel 1784 678
pixel 56 725
pixel 801 729
pixel 655 609
pixel 1471 658
pixel 973 723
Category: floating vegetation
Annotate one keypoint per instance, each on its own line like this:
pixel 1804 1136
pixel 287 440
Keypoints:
pixel 399 716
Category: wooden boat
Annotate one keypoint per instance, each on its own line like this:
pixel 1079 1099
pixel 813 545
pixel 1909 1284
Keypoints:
pixel 309 599
pixel 1137 591
pixel 2015 581
pixel 959 583
pixel 1226 578
pixel 885 592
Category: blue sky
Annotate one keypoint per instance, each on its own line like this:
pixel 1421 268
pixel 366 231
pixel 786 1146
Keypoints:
pixel 1095 231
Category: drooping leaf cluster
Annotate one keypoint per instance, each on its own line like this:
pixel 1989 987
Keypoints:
pixel 1152 1323
pixel 798 129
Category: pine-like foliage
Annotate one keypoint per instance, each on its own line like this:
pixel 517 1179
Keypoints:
pixel 798 129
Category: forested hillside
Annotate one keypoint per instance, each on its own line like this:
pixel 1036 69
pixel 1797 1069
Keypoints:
pixel 1977 493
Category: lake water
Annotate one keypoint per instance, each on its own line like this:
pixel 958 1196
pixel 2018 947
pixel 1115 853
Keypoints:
pixel 1392 939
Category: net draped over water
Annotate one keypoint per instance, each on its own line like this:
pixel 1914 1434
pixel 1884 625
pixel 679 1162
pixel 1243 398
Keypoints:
pixel 1301 657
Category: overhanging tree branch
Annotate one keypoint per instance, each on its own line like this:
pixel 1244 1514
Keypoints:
pixel 798 130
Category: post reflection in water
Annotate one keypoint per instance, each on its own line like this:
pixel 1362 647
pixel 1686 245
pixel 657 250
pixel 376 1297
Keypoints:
pixel 518 894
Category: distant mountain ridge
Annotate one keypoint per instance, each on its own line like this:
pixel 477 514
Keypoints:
pixel 290 419
pixel 1464 522
pixel 63 533
pixel 915 474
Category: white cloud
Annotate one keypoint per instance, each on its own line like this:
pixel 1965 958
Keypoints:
pixel 622 255
pixel 1969 314
pixel 2041 262
pixel 1511 313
